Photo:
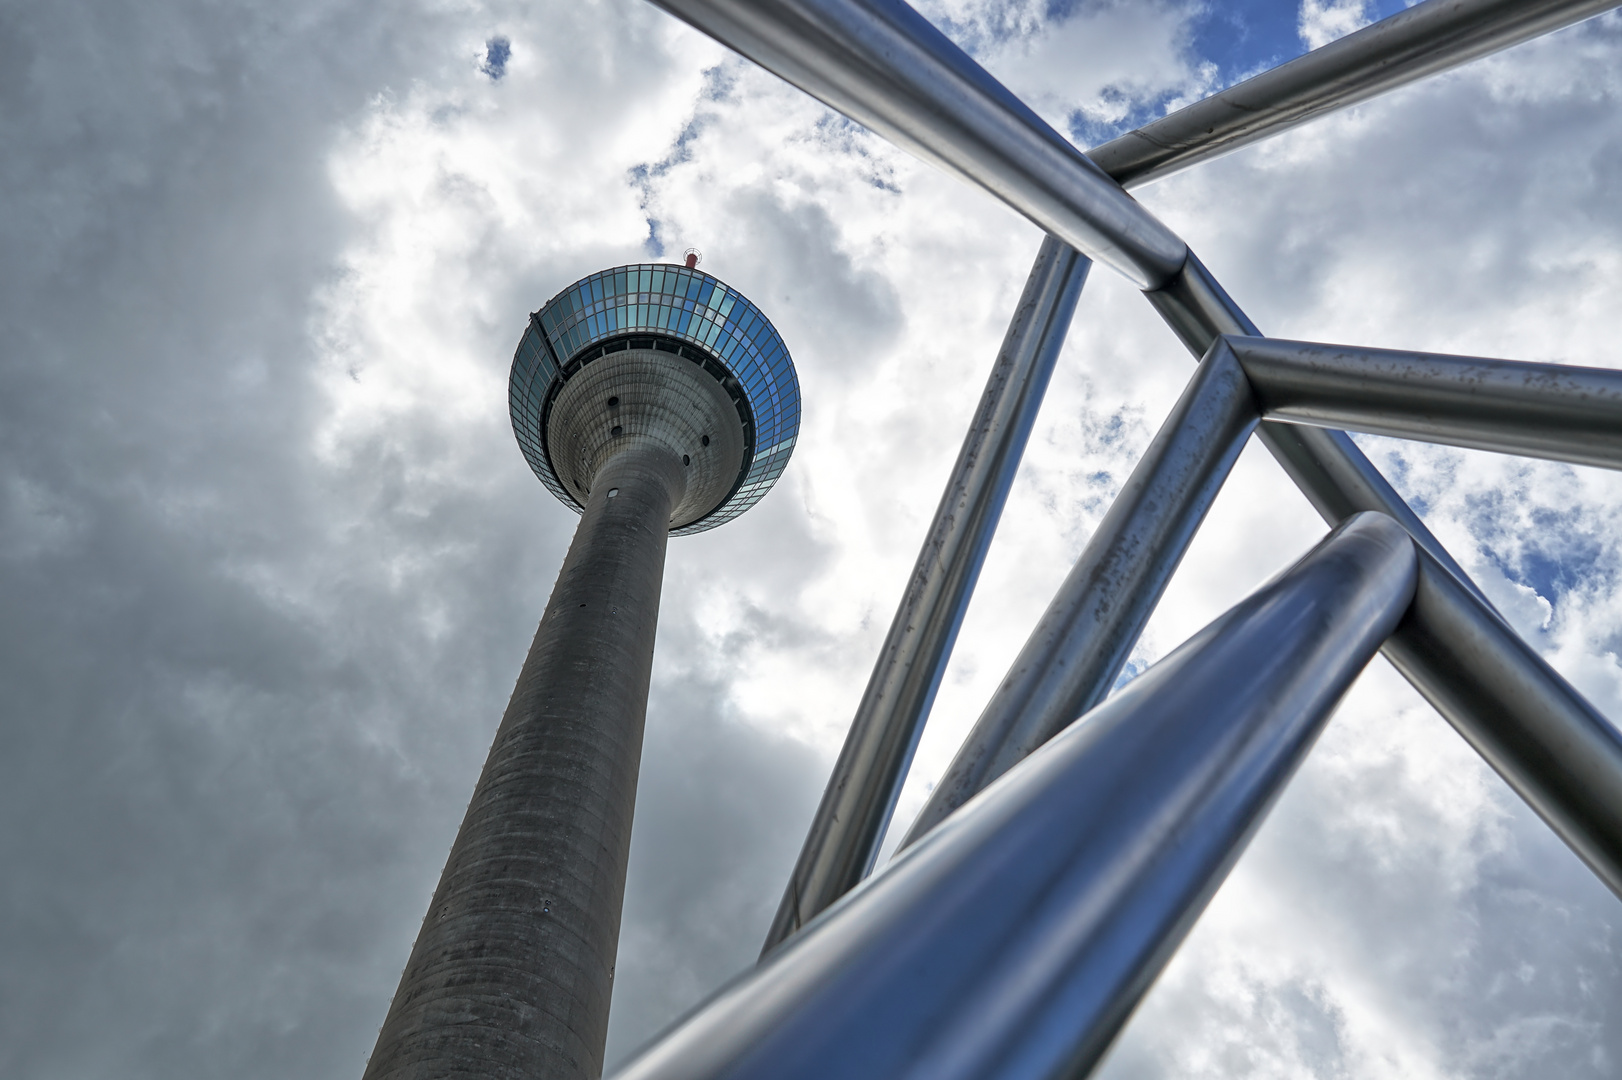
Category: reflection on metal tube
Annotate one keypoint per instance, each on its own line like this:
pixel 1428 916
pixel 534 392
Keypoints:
pixel 1550 745
pixel 1326 465
pixel 1425 39
pixel 1528 722
pixel 1083 639
pixel 855 810
pixel 1539 410
pixel 1014 941
pixel 885 66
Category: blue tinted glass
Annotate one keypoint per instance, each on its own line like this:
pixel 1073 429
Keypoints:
pixel 698 309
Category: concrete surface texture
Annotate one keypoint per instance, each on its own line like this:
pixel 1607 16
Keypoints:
pixel 645 397
pixel 512 970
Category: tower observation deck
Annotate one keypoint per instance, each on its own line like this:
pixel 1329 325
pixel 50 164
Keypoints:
pixel 655 401
pixel 600 331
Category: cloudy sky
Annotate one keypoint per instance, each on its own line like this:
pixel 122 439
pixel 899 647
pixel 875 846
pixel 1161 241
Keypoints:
pixel 270 557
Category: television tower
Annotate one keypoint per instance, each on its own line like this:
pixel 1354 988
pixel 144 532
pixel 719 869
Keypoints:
pixel 655 401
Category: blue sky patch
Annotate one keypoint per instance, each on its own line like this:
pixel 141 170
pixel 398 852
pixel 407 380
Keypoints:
pixel 497 51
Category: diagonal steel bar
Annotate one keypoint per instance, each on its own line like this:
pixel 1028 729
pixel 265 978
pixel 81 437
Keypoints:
pixel 1423 40
pixel 1328 467
pixel 1080 644
pixel 1336 476
pixel 1014 942
pixel 850 822
pixel 884 65
pixel 1550 745
pixel 1538 410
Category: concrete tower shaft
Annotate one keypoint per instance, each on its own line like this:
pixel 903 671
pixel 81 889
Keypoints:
pixel 656 400
pixel 512 971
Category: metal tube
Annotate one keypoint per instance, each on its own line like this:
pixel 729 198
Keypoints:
pixel 1326 465
pixel 1014 942
pixel 1078 648
pixel 512 971
pixel 1427 38
pixel 1537 726
pixel 1539 410
pixel 850 822
pixel 1551 746
pixel 885 66
pixel 881 63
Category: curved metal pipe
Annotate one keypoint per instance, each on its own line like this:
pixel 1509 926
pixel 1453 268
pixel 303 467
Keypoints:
pixel 1539 410
pixel 1530 724
pixel 1336 477
pixel 1423 40
pixel 850 822
pixel 1082 641
pixel 885 66
pixel 1550 745
pixel 1014 941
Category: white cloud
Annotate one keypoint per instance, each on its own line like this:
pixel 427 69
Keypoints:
pixel 1322 21
pixel 274 558
pixel 1350 938
pixel 1101 62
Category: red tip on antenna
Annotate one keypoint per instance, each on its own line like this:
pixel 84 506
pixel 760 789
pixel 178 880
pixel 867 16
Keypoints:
pixel 692 255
